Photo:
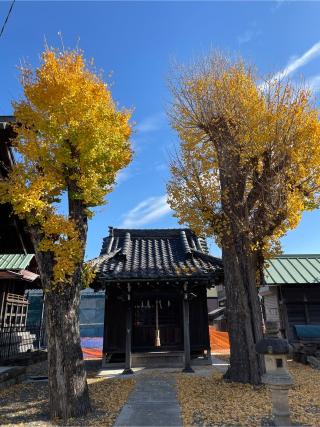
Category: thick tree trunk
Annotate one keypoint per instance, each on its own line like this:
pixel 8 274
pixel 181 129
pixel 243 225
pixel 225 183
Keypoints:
pixel 243 315
pixel 68 390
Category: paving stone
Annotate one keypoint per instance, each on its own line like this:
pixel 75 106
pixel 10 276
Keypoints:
pixel 152 403
pixel 219 364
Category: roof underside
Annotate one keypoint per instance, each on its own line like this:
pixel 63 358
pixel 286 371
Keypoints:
pixel 293 269
pixel 162 254
pixel 5 121
pixel 15 261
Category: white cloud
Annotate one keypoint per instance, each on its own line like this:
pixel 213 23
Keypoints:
pixel 294 64
pixel 299 62
pixel 123 176
pixel 250 33
pixel 277 4
pixel 146 212
pixel 246 36
pixel 160 167
pixel 314 83
pixel 151 123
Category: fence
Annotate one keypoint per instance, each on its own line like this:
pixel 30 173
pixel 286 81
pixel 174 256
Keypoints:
pixel 15 340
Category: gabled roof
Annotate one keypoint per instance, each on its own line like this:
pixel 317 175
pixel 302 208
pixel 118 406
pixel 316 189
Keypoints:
pixel 293 269
pixel 163 254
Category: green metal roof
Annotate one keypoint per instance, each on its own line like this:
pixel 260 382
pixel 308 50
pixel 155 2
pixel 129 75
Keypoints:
pixel 293 269
pixel 15 261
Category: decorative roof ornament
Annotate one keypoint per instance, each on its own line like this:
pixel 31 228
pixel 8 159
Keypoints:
pixel 162 254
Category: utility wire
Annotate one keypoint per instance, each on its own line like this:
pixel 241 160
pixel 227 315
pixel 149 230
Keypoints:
pixel 7 17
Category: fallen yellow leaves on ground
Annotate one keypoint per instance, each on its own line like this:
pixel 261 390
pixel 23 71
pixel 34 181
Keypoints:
pixel 27 403
pixel 108 397
pixel 304 398
pixel 205 399
pixel 211 401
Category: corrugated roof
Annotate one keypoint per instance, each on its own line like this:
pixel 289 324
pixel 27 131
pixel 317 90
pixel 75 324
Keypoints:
pixel 15 261
pixel 293 269
pixel 155 254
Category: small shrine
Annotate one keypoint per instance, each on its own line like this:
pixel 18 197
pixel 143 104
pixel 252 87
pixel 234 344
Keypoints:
pixel 156 293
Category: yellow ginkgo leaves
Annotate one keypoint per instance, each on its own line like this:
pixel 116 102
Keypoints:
pixel 250 154
pixel 71 140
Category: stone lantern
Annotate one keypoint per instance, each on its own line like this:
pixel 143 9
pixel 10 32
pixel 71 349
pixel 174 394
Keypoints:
pixel 277 377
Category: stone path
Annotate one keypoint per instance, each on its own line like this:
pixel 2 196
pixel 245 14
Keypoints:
pixel 219 364
pixel 152 403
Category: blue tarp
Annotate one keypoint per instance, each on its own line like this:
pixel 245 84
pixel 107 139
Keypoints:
pixel 307 331
pixel 92 342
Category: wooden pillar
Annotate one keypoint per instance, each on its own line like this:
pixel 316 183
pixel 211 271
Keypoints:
pixel 127 367
pixel 2 304
pixel 42 322
pixel 284 314
pixel 106 325
pixel 205 308
pixel 186 331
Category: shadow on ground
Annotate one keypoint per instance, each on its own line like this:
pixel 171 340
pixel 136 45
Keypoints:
pixel 27 403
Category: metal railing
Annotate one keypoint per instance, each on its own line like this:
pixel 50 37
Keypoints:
pixel 16 340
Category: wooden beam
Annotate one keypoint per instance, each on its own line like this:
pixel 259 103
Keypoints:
pixel 186 332
pixel 127 367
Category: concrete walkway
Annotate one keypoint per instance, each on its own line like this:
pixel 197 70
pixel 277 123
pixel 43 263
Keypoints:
pixel 152 403
pixel 219 364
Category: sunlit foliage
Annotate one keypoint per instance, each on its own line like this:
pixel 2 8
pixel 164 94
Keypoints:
pixel 249 160
pixel 71 141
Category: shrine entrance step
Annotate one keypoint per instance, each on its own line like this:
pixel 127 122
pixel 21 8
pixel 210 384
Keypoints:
pixel 158 359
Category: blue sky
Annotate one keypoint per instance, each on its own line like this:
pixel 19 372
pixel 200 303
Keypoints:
pixel 138 41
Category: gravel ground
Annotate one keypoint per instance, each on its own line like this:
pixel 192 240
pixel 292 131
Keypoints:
pixel 26 404
pixel 213 402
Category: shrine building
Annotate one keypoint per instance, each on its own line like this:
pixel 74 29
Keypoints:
pixel 156 285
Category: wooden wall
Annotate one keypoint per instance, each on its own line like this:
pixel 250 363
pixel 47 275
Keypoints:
pixel 292 305
pixel 199 325
pixel 115 323
pixel 115 319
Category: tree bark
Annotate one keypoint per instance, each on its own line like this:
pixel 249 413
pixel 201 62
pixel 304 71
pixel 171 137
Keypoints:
pixel 68 390
pixel 243 314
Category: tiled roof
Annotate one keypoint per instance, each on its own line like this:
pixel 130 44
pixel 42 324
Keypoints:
pixel 5 121
pixel 15 261
pixel 293 269
pixel 155 254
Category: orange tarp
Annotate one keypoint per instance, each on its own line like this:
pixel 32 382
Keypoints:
pixel 92 353
pixel 219 341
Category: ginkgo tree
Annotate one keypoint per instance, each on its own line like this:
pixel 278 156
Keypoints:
pixel 71 140
pixel 248 166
